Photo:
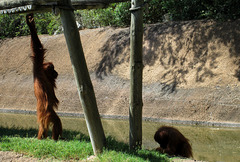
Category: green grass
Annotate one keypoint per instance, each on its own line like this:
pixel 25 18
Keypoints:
pixel 76 146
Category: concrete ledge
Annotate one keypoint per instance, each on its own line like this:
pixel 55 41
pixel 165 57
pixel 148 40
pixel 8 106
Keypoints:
pixel 183 122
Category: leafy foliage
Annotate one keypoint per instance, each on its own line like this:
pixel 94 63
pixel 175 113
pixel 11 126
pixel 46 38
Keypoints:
pixel 118 15
pixel 14 25
pixel 11 25
pixel 201 9
pixel 114 15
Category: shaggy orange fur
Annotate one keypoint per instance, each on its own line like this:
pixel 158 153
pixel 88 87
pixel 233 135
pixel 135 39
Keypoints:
pixel 44 84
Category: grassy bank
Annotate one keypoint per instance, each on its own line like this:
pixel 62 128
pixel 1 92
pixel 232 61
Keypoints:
pixel 76 146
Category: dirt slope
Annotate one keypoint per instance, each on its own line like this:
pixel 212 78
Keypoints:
pixel 191 71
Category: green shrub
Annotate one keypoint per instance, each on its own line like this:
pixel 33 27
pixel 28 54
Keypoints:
pixel 118 15
pixel 15 25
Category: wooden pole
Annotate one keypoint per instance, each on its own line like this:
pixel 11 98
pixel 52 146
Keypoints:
pixel 136 104
pixel 84 84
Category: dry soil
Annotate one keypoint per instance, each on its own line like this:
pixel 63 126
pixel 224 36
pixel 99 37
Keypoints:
pixel 191 71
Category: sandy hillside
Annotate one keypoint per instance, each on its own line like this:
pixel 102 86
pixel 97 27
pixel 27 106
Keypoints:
pixel 191 71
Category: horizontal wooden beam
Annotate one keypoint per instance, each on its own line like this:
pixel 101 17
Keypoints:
pixel 19 6
pixel 8 4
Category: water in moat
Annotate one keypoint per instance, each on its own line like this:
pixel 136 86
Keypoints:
pixel 208 143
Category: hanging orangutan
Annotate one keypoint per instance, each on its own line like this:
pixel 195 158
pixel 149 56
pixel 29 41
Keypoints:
pixel 44 84
pixel 172 142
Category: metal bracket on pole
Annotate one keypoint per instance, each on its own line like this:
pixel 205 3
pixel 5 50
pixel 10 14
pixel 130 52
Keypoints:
pixel 135 8
pixel 132 9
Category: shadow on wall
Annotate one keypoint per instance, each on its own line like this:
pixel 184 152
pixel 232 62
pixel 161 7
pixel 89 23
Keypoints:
pixel 115 52
pixel 175 42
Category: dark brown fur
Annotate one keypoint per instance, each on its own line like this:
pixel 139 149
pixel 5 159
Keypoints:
pixel 44 84
pixel 172 142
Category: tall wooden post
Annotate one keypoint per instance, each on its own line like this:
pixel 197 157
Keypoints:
pixel 136 104
pixel 84 84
